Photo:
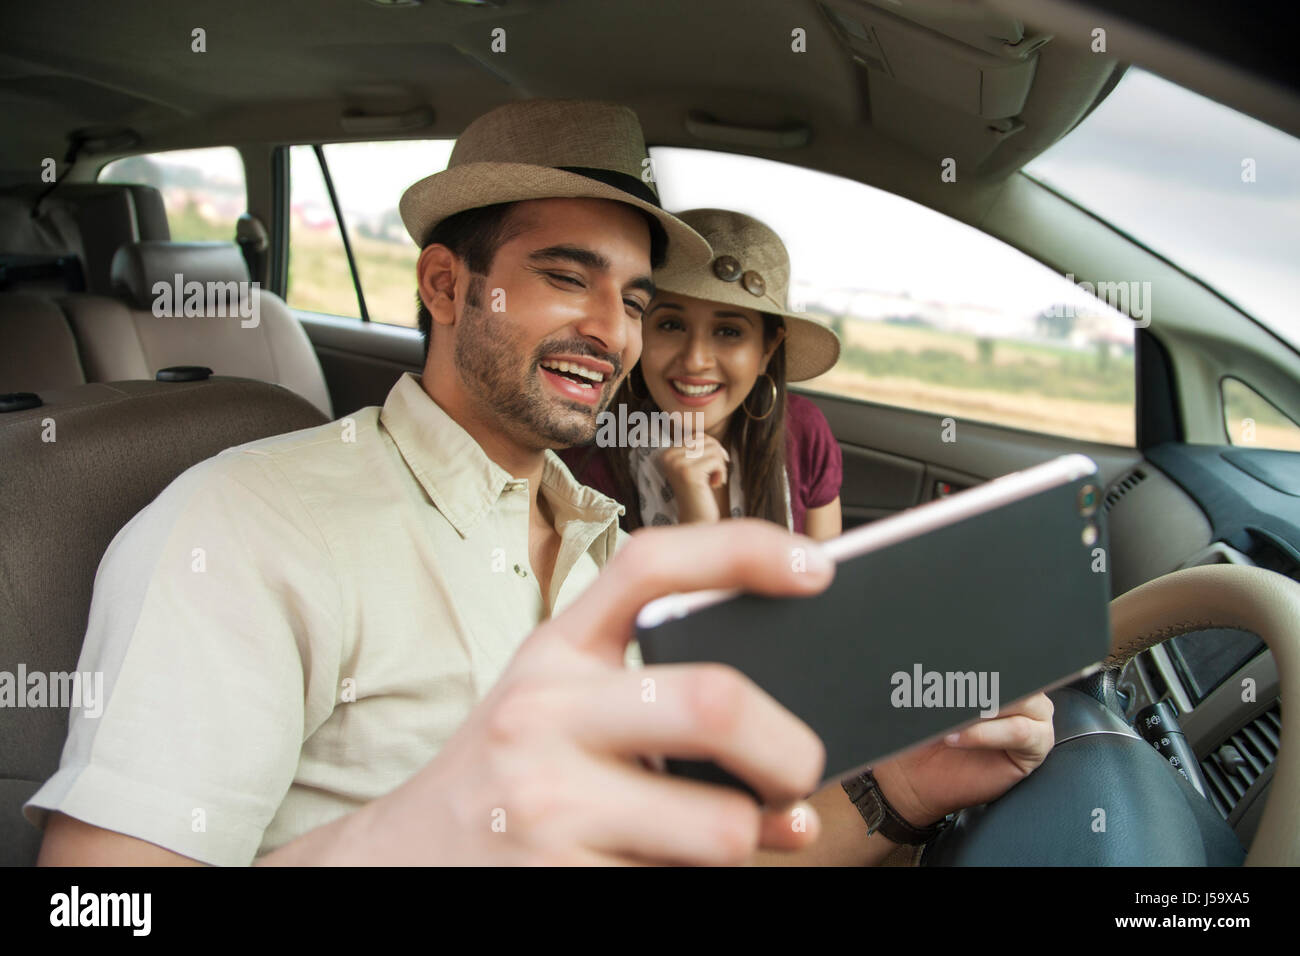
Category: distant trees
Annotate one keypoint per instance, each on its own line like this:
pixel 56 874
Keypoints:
pixel 1056 322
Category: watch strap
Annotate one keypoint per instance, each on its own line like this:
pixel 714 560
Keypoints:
pixel 864 792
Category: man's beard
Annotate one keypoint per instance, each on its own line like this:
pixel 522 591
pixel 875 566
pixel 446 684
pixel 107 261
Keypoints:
pixel 488 349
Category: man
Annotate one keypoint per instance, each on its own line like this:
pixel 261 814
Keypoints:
pixel 344 677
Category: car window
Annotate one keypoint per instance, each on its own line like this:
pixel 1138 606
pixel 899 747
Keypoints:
pixel 933 314
pixel 1211 189
pixel 202 189
pixel 368 180
pixel 1253 421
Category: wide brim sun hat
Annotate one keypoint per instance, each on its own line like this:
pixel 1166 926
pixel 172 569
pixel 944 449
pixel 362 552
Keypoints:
pixel 750 268
pixel 548 149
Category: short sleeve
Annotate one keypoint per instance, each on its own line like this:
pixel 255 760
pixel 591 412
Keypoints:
pixel 214 624
pixel 822 461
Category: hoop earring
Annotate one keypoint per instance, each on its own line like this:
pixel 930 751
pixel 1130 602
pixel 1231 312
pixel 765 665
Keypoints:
pixel 632 388
pixel 771 405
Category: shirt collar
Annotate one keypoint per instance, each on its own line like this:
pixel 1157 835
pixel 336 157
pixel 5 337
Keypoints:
pixel 460 479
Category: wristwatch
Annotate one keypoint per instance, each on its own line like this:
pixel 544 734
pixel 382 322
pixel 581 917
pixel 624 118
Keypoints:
pixel 865 793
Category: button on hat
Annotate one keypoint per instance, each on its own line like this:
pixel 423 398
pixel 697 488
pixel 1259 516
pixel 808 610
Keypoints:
pixel 726 268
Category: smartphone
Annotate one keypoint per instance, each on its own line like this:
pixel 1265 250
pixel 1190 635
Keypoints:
pixel 937 616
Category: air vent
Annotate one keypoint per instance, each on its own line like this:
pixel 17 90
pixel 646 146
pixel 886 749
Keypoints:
pixel 1121 488
pixel 1238 762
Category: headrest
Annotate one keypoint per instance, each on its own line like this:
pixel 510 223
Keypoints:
pixel 88 220
pixel 139 266
pixel 150 213
pixel 137 208
pixel 21 233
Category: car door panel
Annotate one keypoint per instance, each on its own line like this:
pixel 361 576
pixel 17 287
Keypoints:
pixel 895 458
pixel 877 484
pixel 361 360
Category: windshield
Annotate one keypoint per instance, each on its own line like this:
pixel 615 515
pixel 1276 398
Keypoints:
pixel 1213 191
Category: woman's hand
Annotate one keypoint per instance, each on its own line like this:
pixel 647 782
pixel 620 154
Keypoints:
pixel 693 472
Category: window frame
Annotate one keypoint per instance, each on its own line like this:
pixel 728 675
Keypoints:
pixel 1223 412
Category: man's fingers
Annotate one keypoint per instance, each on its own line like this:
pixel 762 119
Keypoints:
pixel 1017 733
pixel 695 712
pixel 1035 707
pixel 745 553
pixel 658 818
pixel 1038 706
pixel 790 828
pixel 671 820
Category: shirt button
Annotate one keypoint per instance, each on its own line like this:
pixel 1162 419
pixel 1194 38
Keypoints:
pixel 520 571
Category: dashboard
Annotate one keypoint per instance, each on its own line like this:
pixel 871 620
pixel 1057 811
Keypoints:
pixel 1186 506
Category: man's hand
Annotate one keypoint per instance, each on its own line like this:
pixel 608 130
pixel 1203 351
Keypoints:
pixel 926 784
pixel 545 768
pixel 986 760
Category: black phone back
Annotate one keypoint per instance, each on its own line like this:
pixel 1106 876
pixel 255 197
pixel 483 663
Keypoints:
pixel 893 652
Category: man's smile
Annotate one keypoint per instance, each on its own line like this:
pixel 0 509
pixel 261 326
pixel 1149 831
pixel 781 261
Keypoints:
pixel 576 377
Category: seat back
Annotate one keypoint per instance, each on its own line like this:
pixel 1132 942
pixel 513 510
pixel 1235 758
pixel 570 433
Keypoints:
pixel 75 471
pixel 53 243
pixel 37 349
pixel 191 303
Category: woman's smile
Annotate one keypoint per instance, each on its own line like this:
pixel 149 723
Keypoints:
pixel 695 391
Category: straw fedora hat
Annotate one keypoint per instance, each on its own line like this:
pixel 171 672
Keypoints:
pixel 751 269
pixel 547 149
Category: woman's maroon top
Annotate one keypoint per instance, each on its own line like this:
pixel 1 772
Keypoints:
pixel 812 459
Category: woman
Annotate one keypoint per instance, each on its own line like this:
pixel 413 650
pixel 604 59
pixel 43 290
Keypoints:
pixel 719 345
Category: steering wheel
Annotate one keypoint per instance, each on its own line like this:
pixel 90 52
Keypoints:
pixel 1103 796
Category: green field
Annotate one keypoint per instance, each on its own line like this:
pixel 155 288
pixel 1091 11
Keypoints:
pixel 320 280
pixel 1090 377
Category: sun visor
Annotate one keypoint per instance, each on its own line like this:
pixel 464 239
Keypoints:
pixel 976 61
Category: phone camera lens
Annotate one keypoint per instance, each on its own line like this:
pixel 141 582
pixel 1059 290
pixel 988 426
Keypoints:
pixel 1088 498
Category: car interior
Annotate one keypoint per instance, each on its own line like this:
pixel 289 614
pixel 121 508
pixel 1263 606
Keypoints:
pixel 940 103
